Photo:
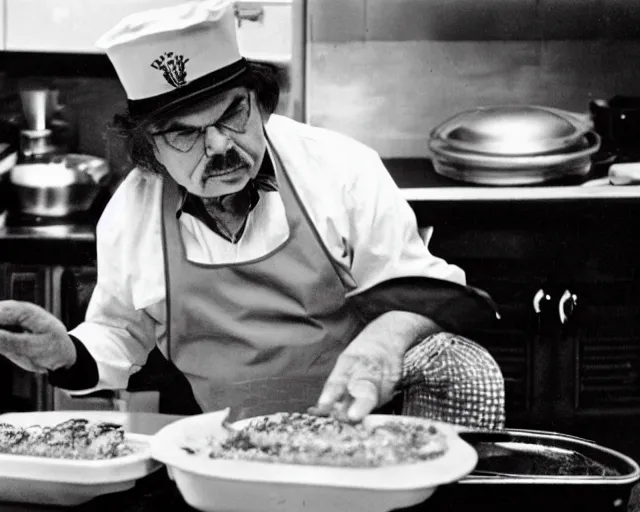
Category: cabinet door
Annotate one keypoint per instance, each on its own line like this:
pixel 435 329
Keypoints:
pixel 31 284
pixel 601 335
pixel 603 326
pixel 510 266
pixel 77 286
pixel 66 25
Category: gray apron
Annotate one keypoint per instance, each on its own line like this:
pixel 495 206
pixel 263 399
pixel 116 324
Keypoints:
pixel 262 335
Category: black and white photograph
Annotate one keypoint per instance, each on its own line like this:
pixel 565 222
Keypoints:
pixel 319 255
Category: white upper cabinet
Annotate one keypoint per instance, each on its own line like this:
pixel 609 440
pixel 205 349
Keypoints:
pixel 265 29
pixel 73 26
pixel 66 25
pixel 2 24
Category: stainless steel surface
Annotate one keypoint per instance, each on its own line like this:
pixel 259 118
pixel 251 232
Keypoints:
pixel 513 145
pixel 513 130
pixel 441 149
pixel 67 185
pixel 36 105
pixel 515 177
pixel 540 442
pixel 35 143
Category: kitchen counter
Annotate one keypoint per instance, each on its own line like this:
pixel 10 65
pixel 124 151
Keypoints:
pixel 438 200
pixel 421 183
pixel 68 244
pixel 434 198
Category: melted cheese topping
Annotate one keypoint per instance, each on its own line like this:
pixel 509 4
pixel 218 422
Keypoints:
pixel 306 439
pixel 72 439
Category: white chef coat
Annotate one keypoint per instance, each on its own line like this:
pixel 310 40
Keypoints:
pixel 359 212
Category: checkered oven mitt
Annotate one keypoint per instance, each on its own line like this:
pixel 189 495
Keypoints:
pixel 450 378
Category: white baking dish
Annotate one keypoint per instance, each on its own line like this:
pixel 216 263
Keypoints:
pixel 247 486
pixel 49 481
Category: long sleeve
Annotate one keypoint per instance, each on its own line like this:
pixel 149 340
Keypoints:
pixel 392 264
pixel 384 240
pixel 83 374
pixel 118 338
pixel 117 332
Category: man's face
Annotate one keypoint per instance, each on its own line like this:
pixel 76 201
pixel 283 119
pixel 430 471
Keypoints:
pixel 215 147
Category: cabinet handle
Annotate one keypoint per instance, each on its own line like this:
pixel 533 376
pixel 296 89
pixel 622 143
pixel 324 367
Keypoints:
pixel 568 299
pixel 537 299
pixel 248 14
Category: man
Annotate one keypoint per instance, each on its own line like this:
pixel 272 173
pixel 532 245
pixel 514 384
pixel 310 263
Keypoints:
pixel 249 260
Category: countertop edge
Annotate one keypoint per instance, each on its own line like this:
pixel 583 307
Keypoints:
pixel 506 194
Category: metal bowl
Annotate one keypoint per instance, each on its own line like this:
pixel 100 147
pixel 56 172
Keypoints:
pixel 66 185
pixel 511 130
pixel 589 144
pixel 524 176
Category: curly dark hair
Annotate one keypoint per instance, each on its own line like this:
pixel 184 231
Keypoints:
pixel 262 78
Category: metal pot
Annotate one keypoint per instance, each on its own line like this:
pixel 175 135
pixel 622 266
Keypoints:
pixel 513 145
pixel 66 185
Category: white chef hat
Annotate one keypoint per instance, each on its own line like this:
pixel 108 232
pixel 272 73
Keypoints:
pixel 168 55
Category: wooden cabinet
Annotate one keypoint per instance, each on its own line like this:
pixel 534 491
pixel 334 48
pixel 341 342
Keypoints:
pixel 569 339
pixel 63 291
pixel 66 25
pixel 30 283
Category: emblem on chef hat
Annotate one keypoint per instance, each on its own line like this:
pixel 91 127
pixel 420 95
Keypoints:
pixel 167 55
pixel 173 68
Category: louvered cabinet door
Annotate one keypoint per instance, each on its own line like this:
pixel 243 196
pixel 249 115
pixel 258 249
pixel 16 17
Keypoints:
pixel 606 345
pixel 30 283
pixel 513 267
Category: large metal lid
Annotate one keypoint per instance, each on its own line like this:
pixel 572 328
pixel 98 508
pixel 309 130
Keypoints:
pixel 510 130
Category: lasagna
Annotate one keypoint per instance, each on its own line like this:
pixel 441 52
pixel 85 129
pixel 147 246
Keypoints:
pixel 72 439
pixel 296 438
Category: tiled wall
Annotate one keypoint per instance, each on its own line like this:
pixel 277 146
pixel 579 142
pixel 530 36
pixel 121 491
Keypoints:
pixel 388 71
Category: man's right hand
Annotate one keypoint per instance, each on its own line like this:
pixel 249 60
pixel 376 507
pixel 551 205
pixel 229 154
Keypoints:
pixel 41 343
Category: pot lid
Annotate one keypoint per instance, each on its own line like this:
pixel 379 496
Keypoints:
pixel 510 130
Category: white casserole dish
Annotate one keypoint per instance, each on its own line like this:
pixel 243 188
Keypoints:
pixel 49 481
pixel 248 486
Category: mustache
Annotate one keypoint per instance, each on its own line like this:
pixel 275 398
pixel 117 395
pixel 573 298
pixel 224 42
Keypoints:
pixel 219 163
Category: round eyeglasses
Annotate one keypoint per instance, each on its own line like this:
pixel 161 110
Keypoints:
pixel 234 119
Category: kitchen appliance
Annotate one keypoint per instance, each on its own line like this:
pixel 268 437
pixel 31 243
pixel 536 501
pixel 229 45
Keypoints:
pixel 513 145
pixel 66 185
pixel 35 138
pixel 48 126
pixel 537 470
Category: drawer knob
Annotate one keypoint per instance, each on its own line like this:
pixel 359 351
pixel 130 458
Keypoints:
pixel 539 296
pixel 566 305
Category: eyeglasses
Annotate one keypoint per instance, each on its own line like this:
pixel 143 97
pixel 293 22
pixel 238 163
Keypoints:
pixel 234 119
